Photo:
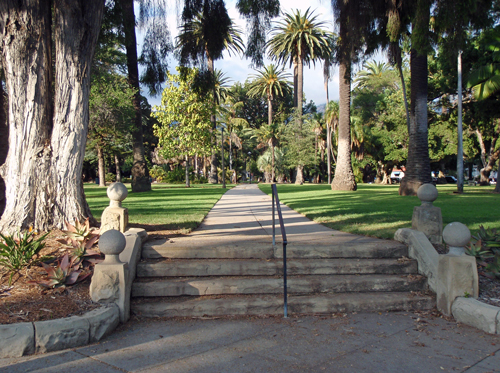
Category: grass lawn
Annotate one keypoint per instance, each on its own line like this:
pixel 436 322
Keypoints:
pixel 378 210
pixel 166 206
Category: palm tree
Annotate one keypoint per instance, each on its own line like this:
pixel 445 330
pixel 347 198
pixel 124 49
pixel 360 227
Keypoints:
pixel 299 39
pixel 206 36
pixel 269 83
pixel 357 31
pixel 372 69
pixel 485 81
pixel 332 121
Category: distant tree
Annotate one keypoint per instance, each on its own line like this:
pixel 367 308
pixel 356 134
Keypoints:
pixel 184 127
pixel 204 36
pixel 270 83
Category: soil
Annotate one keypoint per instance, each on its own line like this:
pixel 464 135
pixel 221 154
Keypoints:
pixel 25 302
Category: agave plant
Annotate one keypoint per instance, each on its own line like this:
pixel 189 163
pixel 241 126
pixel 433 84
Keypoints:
pixel 80 231
pixel 80 251
pixel 67 272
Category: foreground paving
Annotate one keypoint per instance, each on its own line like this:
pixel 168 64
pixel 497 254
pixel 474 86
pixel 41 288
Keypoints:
pixel 385 342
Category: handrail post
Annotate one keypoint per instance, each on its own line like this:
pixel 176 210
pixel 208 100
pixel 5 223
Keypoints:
pixel 273 188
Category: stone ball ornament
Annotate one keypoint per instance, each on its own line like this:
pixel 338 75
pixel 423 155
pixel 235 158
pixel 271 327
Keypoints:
pixel 111 244
pixel 117 192
pixel 427 193
pixel 457 236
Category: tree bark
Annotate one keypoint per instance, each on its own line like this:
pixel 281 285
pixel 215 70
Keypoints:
pixel 117 168
pixel 188 185
pixel 4 143
pixel 140 172
pixel 213 177
pixel 344 177
pixel 418 166
pixel 47 135
pixel 101 167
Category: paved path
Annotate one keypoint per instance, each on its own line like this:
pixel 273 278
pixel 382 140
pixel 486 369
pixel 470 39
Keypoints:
pixel 244 215
pixel 376 342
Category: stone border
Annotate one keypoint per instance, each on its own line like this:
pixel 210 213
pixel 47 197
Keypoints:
pixel 468 311
pixel 52 335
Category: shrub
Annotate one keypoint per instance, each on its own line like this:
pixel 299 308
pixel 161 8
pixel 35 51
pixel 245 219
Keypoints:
pixel 110 178
pixel 485 246
pixel 18 251
pixel 158 172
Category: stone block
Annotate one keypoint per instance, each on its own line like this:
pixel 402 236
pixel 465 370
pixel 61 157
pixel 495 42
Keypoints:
pixel 420 248
pixel 102 321
pixel 138 231
pixel 428 219
pixel 457 277
pixel 17 339
pixel 59 334
pixel 110 284
pixel 131 254
pixel 477 314
pixel 114 218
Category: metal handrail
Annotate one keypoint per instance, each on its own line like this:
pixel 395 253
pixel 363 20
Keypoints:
pixel 276 202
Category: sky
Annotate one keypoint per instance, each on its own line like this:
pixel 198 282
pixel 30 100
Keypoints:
pixel 237 69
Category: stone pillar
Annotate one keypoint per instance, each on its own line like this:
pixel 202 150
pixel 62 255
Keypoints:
pixel 110 282
pixel 115 216
pixel 457 272
pixel 426 217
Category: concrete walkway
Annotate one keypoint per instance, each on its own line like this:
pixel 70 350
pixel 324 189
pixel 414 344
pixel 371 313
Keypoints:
pixel 375 342
pixel 244 215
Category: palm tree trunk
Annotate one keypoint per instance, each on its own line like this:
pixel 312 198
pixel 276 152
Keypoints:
pixel 329 149
pixel 213 177
pixel 344 177
pixel 405 97
pixel 4 143
pixel 418 167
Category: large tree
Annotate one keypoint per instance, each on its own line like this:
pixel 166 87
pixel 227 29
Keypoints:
pixel 358 30
pixel 48 108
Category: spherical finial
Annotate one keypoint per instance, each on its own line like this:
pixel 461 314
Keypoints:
pixel 457 236
pixel 427 193
pixel 117 192
pixel 111 244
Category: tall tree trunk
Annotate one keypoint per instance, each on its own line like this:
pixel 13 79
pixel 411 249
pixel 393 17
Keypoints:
pixel 493 156
pixel 4 142
pixel 344 177
pixel 101 167
pixel 140 172
pixel 47 136
pixel 418 167
pixel 187 172
pixel 405 97
pixel 213 178
pixel 117 168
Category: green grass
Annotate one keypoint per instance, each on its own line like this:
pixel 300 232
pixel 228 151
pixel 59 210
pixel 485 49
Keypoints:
pixel 378 210
pixel 166 206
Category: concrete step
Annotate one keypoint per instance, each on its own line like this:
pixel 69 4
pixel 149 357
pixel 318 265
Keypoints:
pixel 273 304
pixel 259 250
pixel 273 285
pixel 256 267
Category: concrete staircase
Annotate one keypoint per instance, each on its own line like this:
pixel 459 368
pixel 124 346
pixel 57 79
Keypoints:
pixel 247 279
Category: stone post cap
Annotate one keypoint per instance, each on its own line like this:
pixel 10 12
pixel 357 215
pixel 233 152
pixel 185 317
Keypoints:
pixel 111 244
pixel 427 193
pixel 117 192
pixel 456 235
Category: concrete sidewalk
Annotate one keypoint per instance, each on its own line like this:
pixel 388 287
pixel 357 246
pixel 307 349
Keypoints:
pixel 244 216
pixel 387 342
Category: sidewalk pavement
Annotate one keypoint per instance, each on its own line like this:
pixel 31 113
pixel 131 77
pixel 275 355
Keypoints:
pixel 386 342
pixel 364 342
